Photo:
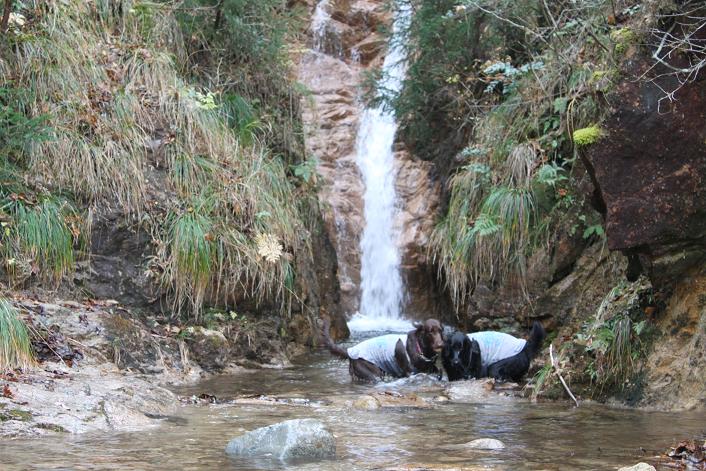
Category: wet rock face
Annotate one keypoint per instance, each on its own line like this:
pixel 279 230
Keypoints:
pixel 677 362
pixel 650 168
pixel 351 46
pixel 301 439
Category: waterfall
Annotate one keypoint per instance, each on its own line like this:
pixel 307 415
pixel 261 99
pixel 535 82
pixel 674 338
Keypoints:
pixel 325 39
pixel 381 281
pixel 319 23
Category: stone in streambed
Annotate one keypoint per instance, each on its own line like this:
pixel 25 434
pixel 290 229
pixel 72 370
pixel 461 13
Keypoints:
pixel 390 400
pixel 366 403
pixel 485 444
pixel 639 467
pixel 305 439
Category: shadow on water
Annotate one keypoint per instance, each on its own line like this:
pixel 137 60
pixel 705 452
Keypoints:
pixel 537 436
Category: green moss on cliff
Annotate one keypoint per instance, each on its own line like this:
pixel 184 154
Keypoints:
pixel 587 136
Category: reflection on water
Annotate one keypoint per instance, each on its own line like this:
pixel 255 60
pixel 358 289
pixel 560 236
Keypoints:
pixel 537 436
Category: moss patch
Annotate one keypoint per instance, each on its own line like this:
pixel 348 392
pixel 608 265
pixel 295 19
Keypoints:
pixel 15 414
pixel 587 136
pixel 623 39
pixel 51 427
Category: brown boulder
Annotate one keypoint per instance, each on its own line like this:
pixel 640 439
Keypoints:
pixel 650 169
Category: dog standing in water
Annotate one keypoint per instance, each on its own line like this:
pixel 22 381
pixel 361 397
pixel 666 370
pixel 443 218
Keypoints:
pixel 395 355
pixel 491 354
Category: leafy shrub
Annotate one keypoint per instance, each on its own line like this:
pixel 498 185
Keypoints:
pixel 252 66
pixel 517 81
pixel 18 131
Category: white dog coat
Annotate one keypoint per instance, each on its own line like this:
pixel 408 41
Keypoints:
pixel 496 346
pixel 380 351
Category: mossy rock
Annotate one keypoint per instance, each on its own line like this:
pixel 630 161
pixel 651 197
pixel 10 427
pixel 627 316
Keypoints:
pixel 15 414
pixel 623 39
pixel 51 427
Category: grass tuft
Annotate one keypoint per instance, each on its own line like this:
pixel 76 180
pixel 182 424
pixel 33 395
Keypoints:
pixel 15 347
pixel 41 237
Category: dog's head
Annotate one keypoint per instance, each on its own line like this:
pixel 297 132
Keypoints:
pixel 430 335
pixel 463 354
pixel 457 348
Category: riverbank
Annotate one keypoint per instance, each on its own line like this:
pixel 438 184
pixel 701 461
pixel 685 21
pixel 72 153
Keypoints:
pixel 100 369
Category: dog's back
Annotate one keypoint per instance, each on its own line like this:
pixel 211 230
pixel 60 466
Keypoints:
pixel 535 340
pixel 380 351
pixel 516 367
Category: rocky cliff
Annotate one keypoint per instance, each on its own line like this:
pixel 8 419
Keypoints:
pixel 650 171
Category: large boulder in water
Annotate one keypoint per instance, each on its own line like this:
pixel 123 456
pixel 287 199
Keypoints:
pixel 305 439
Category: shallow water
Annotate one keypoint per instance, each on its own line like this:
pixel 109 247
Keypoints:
pixel 538 436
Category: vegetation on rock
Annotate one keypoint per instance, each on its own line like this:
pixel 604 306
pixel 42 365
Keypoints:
pixel 182 118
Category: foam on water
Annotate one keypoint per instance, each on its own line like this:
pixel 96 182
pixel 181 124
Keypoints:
pixel 362 323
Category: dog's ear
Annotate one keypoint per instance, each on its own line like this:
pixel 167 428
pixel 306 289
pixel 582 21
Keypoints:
pixel 467 352
pixel 476 362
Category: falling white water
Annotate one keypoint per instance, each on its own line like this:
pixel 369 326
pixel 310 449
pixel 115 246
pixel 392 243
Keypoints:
pixel 326 39
pixel 319 22
pixel 381 281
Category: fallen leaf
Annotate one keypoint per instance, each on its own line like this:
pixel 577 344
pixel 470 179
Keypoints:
pixel 6 392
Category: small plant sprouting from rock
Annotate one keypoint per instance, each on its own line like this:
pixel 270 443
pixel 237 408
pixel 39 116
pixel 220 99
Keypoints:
pixel 618 337
pixel 268 247
pixel 587 136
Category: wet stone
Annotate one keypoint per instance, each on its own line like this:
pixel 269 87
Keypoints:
pixel 639 467
pixel 301 439
pixel 390 400
pixel 485 444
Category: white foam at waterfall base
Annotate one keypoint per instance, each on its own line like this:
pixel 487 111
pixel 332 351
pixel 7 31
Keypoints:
pixel 362 323
pixel 381 281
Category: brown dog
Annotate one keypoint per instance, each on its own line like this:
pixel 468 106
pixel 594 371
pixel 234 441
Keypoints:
pixel 395 355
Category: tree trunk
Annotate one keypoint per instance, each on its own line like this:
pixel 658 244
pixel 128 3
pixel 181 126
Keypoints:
pixel 219 16
pixel 6 16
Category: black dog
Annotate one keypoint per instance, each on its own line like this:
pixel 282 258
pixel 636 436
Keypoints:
pixel 388 355
pixel 461 357
pixel 516 366
pixel 484 354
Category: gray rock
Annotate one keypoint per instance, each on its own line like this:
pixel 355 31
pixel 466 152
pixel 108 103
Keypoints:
pixel 292 439
pixel 485 444
pixel 639 467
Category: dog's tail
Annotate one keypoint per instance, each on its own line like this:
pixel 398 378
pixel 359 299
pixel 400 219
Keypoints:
pixel 329 344
pixel 536 337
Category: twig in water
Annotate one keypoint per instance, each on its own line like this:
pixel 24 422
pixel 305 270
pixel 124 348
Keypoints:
pixel 556 368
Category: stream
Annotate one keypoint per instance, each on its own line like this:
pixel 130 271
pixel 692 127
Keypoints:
pixel 548 436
